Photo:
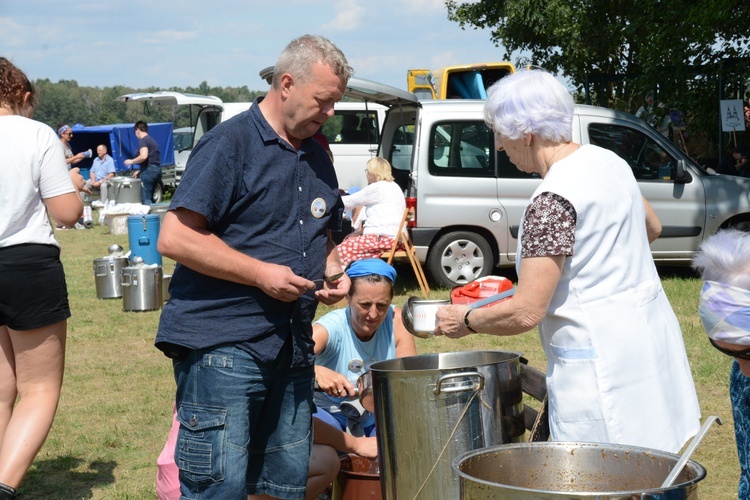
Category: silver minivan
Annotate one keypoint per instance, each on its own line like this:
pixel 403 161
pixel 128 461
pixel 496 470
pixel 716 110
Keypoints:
pixel 469 199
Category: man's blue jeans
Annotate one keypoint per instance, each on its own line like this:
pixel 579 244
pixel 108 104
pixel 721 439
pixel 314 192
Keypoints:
pixel 245 426
pixel 149 178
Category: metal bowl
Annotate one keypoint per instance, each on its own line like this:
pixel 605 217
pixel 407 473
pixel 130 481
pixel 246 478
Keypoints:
pixel 424 312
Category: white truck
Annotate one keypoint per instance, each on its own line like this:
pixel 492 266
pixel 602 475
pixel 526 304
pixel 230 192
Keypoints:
pixel 353 132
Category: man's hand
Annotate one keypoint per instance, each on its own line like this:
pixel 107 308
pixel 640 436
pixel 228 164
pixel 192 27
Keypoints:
pixel 334 291
pixel 281 283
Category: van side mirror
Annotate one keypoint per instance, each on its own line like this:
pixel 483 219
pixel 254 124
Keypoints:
pixel 681 175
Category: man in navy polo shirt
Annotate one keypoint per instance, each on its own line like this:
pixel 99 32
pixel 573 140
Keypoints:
pixel 249 227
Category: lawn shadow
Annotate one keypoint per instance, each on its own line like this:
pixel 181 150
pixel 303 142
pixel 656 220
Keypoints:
pixel 62 477
pixel 683 272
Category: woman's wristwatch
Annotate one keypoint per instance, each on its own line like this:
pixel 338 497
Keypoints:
pixel 466 321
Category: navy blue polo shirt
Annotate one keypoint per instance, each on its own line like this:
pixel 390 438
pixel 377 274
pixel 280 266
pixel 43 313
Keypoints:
pixel 154 157
pixel 265 199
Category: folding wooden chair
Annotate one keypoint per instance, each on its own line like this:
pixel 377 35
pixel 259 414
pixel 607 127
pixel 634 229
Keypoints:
pixel 403 248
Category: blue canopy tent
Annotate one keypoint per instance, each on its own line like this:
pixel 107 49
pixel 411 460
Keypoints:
pixel 121 142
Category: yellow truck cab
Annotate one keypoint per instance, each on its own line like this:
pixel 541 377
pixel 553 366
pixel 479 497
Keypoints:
pixel 466 81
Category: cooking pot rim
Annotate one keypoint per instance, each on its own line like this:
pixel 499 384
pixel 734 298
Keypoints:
pixel 456 462
pixel 382 366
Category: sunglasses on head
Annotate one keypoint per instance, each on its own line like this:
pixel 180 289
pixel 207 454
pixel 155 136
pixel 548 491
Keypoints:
pixel 735 354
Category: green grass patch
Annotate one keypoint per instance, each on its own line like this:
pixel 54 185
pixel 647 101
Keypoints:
pixel 116 406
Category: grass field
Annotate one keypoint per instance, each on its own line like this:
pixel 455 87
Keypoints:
pixel 116 405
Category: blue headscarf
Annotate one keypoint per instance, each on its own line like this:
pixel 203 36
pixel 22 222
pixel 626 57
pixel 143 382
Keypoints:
pixel 366 267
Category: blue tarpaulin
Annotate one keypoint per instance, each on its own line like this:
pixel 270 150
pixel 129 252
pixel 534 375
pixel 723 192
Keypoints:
pixel 121 142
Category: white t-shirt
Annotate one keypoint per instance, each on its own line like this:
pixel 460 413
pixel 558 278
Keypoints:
pixel 384 206
pixel 33 168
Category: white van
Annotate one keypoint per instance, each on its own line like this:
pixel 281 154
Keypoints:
pixel 207 112
pixel 353 132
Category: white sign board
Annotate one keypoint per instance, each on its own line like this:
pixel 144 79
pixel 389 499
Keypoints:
pixel 732 116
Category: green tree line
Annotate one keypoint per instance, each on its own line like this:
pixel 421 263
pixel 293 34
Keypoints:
pixel 689 54
pixel 67 102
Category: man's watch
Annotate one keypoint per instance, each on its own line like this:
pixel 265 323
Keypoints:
pixel 466 321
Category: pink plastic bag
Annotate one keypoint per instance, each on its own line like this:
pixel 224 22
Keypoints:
pixel 168 475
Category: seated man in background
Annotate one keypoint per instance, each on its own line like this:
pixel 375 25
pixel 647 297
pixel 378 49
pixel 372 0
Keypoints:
pixel 102 169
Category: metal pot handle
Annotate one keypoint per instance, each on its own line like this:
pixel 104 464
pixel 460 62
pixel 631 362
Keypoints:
pixel 438 389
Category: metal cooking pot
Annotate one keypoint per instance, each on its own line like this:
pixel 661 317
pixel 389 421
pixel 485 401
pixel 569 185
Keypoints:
pixel 107 272
pixel 559 470
pixel 126 190
pixel 433 407
pixel 141 287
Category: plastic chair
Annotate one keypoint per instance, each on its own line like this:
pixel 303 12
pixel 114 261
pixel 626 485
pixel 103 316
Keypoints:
pixel 403 248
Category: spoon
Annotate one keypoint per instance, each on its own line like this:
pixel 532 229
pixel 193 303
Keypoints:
pixel 689 451
pixel 331 278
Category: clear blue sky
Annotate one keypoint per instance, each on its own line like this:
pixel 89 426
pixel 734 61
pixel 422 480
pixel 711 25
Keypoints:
pixel 226 42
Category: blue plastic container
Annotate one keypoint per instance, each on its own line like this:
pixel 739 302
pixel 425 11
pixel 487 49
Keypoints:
pixel 143 234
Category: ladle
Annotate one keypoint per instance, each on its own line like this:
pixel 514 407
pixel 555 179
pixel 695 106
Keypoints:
pixel 689 451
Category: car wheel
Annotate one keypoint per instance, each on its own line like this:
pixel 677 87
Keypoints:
pixel 158 193
pixel 459 258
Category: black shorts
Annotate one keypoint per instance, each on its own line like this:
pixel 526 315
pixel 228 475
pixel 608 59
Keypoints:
pixel 33 293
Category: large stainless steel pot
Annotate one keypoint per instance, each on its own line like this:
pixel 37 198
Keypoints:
pixel 433 407
pixel 558 470
pixel 107 271
pixel 126 190
pixel 141 287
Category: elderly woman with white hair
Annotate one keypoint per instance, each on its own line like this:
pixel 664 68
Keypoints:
pixel 724 260
pixel 617 368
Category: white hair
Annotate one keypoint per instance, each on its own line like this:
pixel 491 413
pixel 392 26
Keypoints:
pixel 725 258
pixel 530 102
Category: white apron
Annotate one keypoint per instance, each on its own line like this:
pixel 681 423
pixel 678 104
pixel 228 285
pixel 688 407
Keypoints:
pixel 617 369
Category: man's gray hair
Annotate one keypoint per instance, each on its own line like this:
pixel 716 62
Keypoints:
pixel 299 57
pixel 725 258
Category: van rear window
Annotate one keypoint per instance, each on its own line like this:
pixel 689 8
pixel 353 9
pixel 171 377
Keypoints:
pixel 461 149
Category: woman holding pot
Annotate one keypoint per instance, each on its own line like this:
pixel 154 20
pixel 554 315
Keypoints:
pixel 349 340
pixel 617 369
pixel 34 182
